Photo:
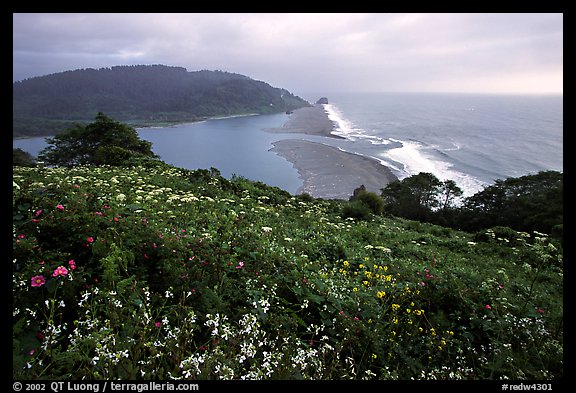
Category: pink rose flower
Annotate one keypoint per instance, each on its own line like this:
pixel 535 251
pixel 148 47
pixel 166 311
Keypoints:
pixel 38 281
pixel 60 271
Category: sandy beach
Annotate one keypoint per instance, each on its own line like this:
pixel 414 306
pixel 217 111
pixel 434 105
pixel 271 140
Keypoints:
pixel 311 120
pixel 327 172
pixel 330 173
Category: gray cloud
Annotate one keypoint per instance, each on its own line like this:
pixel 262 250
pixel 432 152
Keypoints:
pixel 309 52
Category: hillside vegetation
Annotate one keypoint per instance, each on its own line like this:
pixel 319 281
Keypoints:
pixel 140 95
pixel 149 271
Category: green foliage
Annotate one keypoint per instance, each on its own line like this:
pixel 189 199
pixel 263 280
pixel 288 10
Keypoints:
pixel 156 272
pixel 103 142
pixel 449 193
pixel 528 203
pixel 414 197
pixel 369 199
pixel 356 210
pixel 22 158
pixel 139 95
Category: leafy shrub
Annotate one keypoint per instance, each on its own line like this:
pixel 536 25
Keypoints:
pixel 357 210
pixel 111 155
pixel 372 200
pixel 305 197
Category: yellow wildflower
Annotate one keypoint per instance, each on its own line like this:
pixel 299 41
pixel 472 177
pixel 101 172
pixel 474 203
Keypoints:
pixel 381 294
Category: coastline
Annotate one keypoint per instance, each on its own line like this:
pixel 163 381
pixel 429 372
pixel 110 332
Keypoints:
pixel 330 173
pixel 141 125
pixel 327 171
pixel 310 120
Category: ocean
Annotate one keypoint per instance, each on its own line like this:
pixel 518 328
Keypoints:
pixel 471 139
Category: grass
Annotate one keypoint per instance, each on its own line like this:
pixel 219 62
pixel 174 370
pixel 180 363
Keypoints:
pixel 157 272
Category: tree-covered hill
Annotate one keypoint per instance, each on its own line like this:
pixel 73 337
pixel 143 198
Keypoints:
pixel 140 95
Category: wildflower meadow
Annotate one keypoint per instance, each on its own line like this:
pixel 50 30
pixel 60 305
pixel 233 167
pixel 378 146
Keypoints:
pixel 157 272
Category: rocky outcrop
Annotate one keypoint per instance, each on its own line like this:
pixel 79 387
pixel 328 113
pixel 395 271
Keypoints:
pixel 322 101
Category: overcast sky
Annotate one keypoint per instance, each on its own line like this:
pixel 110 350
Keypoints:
pixel 310 53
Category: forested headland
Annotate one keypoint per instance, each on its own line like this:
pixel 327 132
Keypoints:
pixel 140 95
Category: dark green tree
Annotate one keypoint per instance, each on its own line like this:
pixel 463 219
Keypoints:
pixel 22 158
pixel 105 141
pixel 144 94
pixel 527 203
pixel 414 197
pixel 449 193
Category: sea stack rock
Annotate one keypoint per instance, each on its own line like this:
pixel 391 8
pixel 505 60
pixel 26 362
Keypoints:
pixel 322 101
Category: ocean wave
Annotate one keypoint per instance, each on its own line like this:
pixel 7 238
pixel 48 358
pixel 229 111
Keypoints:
pixel 405 157
pixel 414 158
pixel 454 147
pixel 346 129
pixel 343 127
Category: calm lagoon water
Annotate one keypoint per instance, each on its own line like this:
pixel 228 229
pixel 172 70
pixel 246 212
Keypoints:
pixel 234 145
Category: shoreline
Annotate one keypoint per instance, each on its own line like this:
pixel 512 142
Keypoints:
pixel 327 171
pixel 310 120
pixel 141 125
pixel 330 173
